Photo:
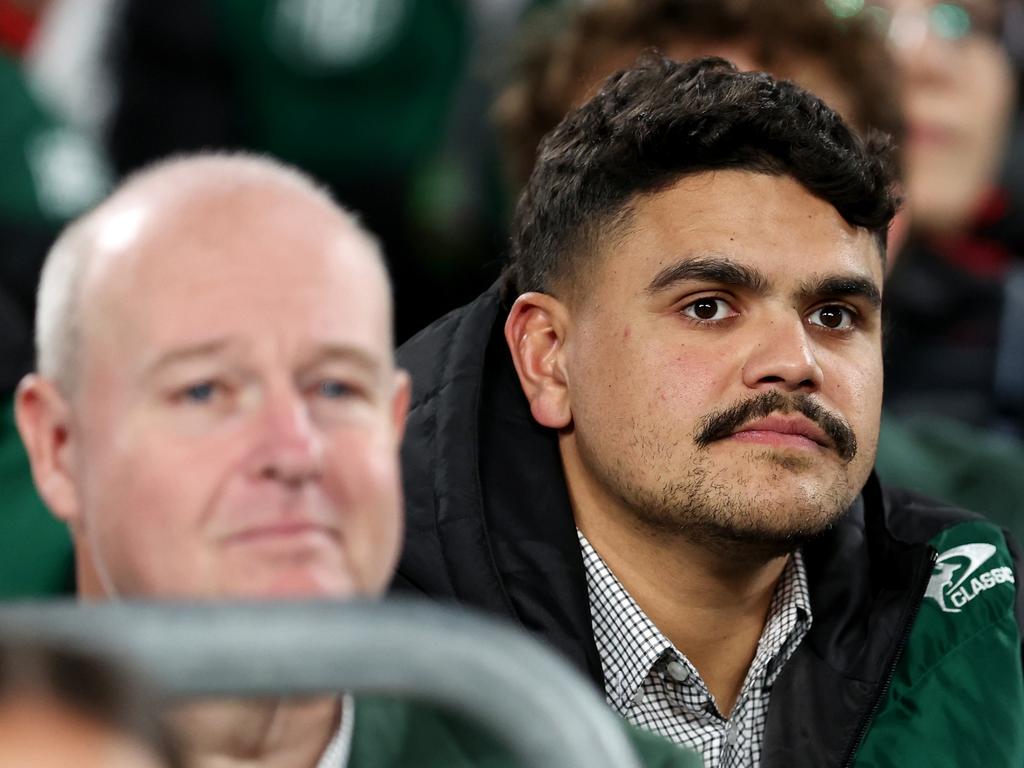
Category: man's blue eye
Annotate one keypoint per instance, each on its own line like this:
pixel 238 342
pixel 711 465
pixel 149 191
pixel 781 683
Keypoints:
pixel 333 389
pixel 200 393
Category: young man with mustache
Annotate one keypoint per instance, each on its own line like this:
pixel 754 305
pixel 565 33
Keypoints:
pixel 653 443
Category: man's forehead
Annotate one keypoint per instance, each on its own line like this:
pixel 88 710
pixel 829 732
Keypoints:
pixel 254 231
pixel 170 279
pixel 758 222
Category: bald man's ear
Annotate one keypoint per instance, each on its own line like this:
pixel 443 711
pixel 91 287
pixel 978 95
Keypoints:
pixel 535 332
pixel 400 403
pixel 43 417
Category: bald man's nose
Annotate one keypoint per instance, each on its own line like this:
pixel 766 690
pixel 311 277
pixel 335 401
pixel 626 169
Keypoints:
pixel 289 445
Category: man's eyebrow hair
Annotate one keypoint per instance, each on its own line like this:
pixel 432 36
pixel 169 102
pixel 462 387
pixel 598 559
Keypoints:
pixel 842 286
pixel 710 269
pixel 327 352
pixel 186 353
pixel 321 354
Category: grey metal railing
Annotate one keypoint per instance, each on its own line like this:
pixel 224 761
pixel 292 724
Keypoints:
pixel 530 700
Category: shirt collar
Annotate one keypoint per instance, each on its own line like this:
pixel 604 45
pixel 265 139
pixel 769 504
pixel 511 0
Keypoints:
pixel 619 623
pixel 337 752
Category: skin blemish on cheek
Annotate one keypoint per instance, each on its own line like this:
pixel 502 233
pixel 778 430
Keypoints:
pixel 627 332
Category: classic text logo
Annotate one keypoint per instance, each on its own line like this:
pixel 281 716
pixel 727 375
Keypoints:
pixel 956 579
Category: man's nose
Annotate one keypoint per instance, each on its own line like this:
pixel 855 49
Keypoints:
pixel 782 355
pixel 289 447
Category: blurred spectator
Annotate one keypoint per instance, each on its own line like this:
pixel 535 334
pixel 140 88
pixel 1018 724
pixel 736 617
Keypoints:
pixel 60 708
pixel 955 360
pixel 955 293
pixel 361 93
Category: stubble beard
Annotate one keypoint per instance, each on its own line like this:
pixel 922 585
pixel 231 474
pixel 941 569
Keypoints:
pixel 733 510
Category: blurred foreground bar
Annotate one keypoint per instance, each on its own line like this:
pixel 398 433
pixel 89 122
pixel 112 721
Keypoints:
pixel 502 679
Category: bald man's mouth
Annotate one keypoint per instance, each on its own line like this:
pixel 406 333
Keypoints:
pixel 282 530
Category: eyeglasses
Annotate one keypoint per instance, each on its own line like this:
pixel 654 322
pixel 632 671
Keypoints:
pixel 906 27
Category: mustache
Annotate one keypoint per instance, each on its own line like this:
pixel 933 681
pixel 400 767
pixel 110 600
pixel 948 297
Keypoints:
pixel 716 426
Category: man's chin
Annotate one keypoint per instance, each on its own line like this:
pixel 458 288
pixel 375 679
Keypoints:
pixel 761 541
pixel 767 518
pixel 776 458
pixel 296 584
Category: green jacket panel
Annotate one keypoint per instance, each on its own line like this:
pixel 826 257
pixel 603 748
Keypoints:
pixel 390 733
pixel 957 693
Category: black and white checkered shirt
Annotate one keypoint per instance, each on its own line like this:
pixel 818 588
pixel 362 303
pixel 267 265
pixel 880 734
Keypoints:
pixel 654 686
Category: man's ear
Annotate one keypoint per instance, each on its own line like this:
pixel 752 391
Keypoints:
pixel 535 332
pixel 43 417
pixel 400 403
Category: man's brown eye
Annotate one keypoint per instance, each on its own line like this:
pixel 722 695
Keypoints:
pixel 705 309
pixel 835 318
pixel 710 310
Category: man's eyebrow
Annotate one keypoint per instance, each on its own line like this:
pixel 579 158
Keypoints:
pixel 709 269
pixel 186 354
pixel 840 287
pixel 324 353
pixel 345 353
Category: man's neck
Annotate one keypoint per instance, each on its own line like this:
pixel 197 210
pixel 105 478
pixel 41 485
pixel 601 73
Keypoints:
pixel 712 608
pixel 265 733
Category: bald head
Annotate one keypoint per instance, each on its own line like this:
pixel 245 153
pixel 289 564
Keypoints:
pixel 185 199
pixel 217 411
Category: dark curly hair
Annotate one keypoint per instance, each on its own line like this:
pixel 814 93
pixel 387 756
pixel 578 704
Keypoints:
pixel 568 46
pixel 661 120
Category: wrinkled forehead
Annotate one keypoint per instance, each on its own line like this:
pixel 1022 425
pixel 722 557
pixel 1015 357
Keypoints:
pixel 247 267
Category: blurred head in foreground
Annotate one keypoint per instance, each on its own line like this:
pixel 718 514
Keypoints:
pixel 216 411
pixel 62 708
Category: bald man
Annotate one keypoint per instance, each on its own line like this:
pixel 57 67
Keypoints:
pixel 217 413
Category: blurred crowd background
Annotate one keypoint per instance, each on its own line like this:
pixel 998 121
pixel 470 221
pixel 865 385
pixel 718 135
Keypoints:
pixel 424 116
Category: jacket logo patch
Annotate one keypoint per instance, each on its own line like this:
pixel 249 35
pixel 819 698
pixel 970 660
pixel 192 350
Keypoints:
pixel 956 579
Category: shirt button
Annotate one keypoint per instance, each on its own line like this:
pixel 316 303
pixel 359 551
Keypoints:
pixel 730 736
pixel 639 697
pixel 678 671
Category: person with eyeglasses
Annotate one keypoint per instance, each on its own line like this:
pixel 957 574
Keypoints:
pixel 953 314
pixel 958 93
